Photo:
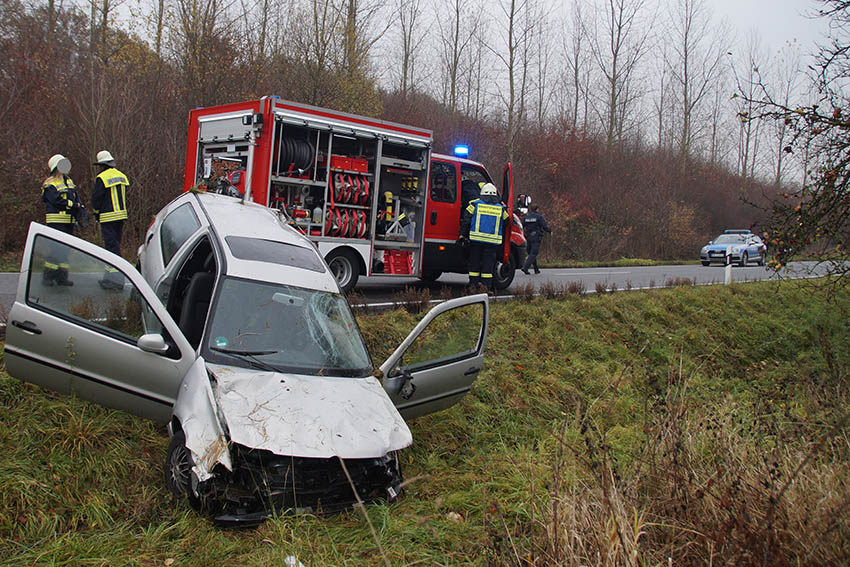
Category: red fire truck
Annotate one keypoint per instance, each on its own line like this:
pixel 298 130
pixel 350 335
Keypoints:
pixel 369 193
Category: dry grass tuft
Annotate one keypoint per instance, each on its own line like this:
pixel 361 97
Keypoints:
pixel 413 300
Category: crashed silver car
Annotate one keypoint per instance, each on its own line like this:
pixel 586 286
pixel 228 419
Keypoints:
pixel 237 337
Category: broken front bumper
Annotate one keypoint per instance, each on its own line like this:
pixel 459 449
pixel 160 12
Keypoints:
pixel 263 484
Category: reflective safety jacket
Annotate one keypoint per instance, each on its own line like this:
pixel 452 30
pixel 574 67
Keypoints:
pixel 60 196
pixel 485 220
pixel 109 199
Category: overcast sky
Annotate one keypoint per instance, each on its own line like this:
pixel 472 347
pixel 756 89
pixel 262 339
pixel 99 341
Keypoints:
pixel 776 21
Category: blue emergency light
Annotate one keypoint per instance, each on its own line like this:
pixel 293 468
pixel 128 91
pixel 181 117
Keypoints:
pixel 462 151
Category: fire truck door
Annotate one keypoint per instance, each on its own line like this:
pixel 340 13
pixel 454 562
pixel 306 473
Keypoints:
pixel 443 222
pixel 508 200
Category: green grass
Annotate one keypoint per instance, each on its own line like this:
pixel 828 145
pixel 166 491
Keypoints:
pixel 10 262
pixel 704 424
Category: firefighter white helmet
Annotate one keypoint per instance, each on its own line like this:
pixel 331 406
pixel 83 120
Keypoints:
pixel 104 158
pixel 59 163
pixel 489 189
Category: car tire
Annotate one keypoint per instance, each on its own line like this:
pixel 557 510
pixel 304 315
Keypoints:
pixel 178 470
pixel 704 263
pixel 744 259
pixel 431 277
pixel 344 268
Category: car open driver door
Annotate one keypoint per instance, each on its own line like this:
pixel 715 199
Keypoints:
pixel 437 363
pixel 115 346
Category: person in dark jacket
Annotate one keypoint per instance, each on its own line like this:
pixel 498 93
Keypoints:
pixel 61 203
pixel 109 201
pixel 534 226
pixel 483 226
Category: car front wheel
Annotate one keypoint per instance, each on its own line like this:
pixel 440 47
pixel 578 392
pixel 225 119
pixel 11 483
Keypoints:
pixel 178 470
pixel 704 263
pixel 744 259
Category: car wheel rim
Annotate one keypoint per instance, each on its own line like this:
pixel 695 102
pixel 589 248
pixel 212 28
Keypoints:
pixel 178 468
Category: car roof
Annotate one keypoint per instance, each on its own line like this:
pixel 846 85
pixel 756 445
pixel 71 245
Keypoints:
pixel 229 216
pixel 737 231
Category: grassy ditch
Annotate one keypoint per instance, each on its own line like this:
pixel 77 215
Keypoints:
pixel 695 425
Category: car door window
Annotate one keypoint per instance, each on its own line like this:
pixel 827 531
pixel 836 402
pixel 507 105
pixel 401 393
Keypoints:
pixel 178 226
pixel 100 297
pixel 452 335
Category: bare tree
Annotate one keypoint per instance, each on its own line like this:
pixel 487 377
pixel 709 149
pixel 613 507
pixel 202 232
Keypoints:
pixel 455 37
pixel 618 48
pixel 409 18
pixel 786 79
pixel 696 51
pixel 476 75
pixel 543 48
pixel 747 85
pixel 365 23
pixel 576 57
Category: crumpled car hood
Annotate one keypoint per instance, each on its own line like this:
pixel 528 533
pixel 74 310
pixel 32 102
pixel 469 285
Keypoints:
pixel 308 416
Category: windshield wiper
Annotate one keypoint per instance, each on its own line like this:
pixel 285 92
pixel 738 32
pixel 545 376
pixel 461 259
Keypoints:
pixel 250 356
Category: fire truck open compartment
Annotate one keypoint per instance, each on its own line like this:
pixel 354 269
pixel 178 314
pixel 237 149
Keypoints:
pixel 356 186
pixel 341 184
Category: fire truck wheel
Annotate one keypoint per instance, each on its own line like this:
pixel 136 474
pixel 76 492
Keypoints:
pixel 345 268
pixel 431 277
pixel 503 274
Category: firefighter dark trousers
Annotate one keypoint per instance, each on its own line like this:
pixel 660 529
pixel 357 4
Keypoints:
pixel 482 261
pixel 56 263
pixel 533 249
pixel 111 232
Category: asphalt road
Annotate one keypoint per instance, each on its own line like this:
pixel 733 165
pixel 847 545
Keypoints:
pixel 382 288
pixel 379 289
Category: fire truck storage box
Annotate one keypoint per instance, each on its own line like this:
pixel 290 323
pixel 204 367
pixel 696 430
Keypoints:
pixel 360 165
pixel 398 262
pixel 337 162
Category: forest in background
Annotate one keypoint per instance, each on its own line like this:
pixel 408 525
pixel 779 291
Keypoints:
pixel 623 120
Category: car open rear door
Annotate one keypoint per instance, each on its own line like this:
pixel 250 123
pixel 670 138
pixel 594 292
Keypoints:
pixel 116 346
pixel 437 363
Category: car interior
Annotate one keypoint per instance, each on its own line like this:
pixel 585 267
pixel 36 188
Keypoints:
pixel 189 300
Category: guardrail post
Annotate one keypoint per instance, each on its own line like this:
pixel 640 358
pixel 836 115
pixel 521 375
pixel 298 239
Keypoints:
pixel 728 278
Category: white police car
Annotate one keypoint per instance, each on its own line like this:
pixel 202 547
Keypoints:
pixel 744 247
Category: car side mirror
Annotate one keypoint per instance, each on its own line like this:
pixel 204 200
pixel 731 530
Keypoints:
pixel 407 386
pixel 152 342
pixel 711 242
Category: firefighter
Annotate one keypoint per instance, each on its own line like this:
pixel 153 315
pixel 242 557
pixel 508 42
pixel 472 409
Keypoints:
pixel 534 225
pixel 61 203
pixel 109 201
pixel 482 227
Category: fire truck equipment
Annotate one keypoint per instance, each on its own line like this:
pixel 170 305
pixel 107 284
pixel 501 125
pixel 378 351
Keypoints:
pixel 331 164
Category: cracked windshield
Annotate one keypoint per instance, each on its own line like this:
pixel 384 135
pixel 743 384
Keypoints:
pixel 285 329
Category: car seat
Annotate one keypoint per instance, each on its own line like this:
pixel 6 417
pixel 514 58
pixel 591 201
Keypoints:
pixel 196 303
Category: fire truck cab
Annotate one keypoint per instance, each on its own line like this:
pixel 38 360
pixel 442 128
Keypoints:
pixel 368 193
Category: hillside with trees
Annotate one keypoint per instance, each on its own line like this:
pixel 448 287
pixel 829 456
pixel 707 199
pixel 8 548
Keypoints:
pixel 618 115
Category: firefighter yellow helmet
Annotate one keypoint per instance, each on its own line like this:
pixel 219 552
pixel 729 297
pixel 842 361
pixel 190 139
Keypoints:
pixel 489 189
pixel 59 163
pixel 104 158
